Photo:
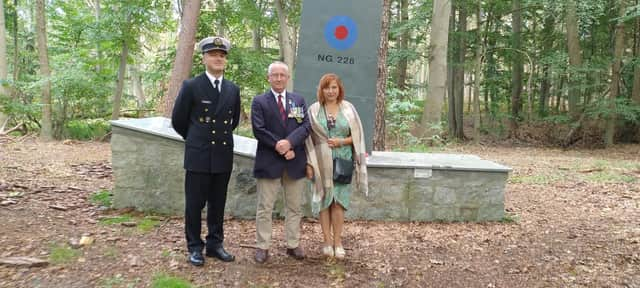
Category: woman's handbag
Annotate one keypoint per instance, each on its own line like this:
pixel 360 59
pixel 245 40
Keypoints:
pixel 342 170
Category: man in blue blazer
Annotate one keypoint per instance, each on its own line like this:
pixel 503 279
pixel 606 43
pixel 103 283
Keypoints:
pixel 205 113
pixel 280 124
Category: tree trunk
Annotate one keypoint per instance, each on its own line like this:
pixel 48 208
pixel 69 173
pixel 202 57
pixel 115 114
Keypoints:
pixel 4 69
pixel 635 94
pixel 459 74
pixel 221 23
pixel 615 78
pixel 477 75
pixel 431 115
pixel 46 132
pixel 184 53
pixel 516 76
pixel 98 11
pixel 451 73
pixel 138 91
pixel 545 85
pixel 122 71
pixel 575 57
pixel 381 83
pixel 401 69
pixel 16 58
pixel 286 45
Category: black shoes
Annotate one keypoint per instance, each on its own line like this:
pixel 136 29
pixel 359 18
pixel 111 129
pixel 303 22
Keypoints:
pixel 219 253
pixel 196 259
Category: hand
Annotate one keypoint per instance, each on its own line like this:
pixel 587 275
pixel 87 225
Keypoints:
pixel 334 142
pixel 283 146
pixel 309 172
pixel 289 155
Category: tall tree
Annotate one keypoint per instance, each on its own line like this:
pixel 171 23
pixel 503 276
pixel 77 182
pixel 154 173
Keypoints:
pixel 431 114
pixel 184 54
pixel 575 56
pixel 401 69
pixel 547 46
pixel 46 132
pixel 136 82
pixel 477 74
pixel 618 51
pixel 122 70
pixel 456 99
pixel 4 69
pixel 381 83
pixel 635 94
pixel 517 69
pixel 286 43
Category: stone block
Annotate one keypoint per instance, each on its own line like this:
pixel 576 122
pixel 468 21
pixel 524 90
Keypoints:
pixel 148 171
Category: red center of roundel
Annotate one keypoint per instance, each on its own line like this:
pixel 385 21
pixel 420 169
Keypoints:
pixel 341 32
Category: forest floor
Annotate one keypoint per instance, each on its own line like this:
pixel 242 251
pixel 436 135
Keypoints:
pixel 572 220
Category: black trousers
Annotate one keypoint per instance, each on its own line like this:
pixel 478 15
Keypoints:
pixel 201 189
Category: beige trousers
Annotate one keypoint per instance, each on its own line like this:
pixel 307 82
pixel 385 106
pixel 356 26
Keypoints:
pixel 267 195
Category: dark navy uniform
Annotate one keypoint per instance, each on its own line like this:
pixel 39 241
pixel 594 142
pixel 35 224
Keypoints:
pixel 206 117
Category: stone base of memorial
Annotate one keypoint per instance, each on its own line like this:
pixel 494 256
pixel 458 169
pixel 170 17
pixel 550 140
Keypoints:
pixel 147 157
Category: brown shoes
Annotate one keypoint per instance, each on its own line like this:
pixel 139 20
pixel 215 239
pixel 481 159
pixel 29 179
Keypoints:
pixel 296 253
pixel 262 255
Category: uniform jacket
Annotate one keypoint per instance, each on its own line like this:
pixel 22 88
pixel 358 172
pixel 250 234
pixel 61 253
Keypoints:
pixel 268 129
pixel 206 124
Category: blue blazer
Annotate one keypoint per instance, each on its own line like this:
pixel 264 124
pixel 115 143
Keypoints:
pixel 268 128
pixel 206 123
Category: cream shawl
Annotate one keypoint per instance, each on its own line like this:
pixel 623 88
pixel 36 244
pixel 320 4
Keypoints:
pixel 319 154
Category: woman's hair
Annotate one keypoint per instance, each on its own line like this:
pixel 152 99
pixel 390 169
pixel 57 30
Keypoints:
pixel 324 83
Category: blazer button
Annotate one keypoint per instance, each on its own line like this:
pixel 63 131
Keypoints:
pixel 225 121
pixel 224 143
pixel 201 119
pixel 213 142
pixel 230 112
pixel 214 132
pixel 214 121
pixel 206 109
pixel 225 132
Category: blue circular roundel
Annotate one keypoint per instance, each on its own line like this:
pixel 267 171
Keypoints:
pixel 341 32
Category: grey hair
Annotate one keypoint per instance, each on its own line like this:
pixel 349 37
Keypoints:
pixel 275 63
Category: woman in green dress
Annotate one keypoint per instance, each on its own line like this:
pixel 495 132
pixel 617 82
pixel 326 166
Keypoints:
pixel 336 132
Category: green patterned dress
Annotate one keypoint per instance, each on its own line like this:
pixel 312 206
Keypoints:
pixel 341 193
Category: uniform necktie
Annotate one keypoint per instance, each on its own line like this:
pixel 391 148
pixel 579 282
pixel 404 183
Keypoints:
pixel 283 115
pixel 216 84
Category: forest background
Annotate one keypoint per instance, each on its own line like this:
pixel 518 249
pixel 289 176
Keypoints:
pixel 551 73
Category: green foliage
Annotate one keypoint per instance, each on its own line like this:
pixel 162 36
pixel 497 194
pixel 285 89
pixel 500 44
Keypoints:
pixel 62 254
pixel 624 110
pixel 118 281
pixel 402 116
pixel 538 179
pixel 102 198
pixel 147 224
pixel 165 281
pixel 510 218
pixel 116 219
pixel 90 129
pixel 143 224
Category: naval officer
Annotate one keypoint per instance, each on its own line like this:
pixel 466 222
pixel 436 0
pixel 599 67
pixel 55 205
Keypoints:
pixel 205 113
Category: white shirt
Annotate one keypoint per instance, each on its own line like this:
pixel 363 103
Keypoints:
pixel 284 97
pixel 212 79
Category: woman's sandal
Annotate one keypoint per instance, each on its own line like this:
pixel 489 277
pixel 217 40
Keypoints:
pixel 339 253
pixel 327 251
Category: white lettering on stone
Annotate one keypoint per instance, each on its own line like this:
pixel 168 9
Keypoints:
pixel 422 173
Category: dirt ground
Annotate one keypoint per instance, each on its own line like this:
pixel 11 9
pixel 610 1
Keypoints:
pixel 573 220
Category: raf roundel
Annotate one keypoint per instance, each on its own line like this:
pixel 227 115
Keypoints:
pixel 341 32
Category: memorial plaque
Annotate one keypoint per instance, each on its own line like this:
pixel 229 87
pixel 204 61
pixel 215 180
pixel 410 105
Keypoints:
pixel 341 37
